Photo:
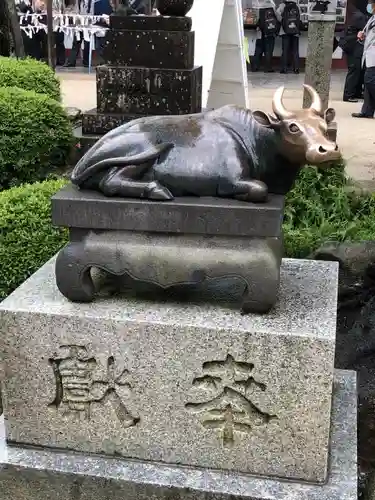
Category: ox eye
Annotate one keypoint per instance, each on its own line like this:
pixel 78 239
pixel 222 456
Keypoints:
pixel 294 128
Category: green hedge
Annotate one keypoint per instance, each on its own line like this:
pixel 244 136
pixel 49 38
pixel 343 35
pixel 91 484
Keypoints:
pixel 27 238
pixel 29 74
pixel 35 136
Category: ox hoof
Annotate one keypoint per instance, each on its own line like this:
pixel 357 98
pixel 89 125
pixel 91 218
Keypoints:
pixel 257 192
pixel 156 191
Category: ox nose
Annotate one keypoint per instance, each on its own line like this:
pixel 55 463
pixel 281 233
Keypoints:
pixel 323 150
pixel 320 153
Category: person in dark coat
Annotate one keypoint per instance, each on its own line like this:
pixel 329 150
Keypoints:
pixel 367 36
pixel 353 50
pixel 268 28
pixel 289 15
pixel 101 7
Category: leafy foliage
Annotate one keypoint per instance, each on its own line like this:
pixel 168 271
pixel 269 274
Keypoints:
pixel 27 238
pixel 323 206
pixel 35 136
pixel 29 74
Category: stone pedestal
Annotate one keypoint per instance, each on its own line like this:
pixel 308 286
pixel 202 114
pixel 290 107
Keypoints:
pixel 44 474
pixel 319 59
pixel 149 70
pixel 195 385
pixel 175 246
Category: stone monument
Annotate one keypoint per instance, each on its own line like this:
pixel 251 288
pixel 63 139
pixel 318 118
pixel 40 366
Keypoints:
pixel 180 396
pixel 127 398
pixel 149 70
pixel 322 22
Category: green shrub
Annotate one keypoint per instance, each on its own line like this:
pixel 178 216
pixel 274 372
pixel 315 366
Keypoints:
pixel 29 74
pixel 35 136
pixel 27 238
pixel 322 207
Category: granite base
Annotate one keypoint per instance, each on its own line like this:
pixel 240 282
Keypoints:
pixel 34 474
pixel 168 382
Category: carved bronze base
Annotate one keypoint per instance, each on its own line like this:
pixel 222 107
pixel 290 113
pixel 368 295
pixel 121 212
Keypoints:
pixel 171 262
pixel 196 249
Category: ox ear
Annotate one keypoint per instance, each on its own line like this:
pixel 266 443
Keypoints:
pixel 329 115
pixel 265 119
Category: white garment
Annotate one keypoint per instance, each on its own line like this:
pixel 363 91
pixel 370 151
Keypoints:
pixel 369 45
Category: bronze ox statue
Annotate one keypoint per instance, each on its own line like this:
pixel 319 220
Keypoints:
pixel 230 152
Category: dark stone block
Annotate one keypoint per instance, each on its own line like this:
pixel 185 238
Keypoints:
pixel 84 142
pixel 207 216
pixel 94 122
pixel 150 49
pixel 149 91
pixel 141 23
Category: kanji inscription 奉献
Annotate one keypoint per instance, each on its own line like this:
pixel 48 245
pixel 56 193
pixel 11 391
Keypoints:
pixel 228 406
pixel 79 386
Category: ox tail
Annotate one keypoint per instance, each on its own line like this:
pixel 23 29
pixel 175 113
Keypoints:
pixel 81 174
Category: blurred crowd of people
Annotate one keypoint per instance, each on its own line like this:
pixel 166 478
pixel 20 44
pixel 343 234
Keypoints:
pixel 36 46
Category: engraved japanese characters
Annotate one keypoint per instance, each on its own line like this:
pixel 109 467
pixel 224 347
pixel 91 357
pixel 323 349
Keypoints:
pixel 81 384
pixel 228 386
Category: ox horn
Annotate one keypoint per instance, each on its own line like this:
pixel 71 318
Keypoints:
pixel 278 107
pixel 316 104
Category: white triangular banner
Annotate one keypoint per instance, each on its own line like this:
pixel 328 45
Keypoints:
pixel 219 48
